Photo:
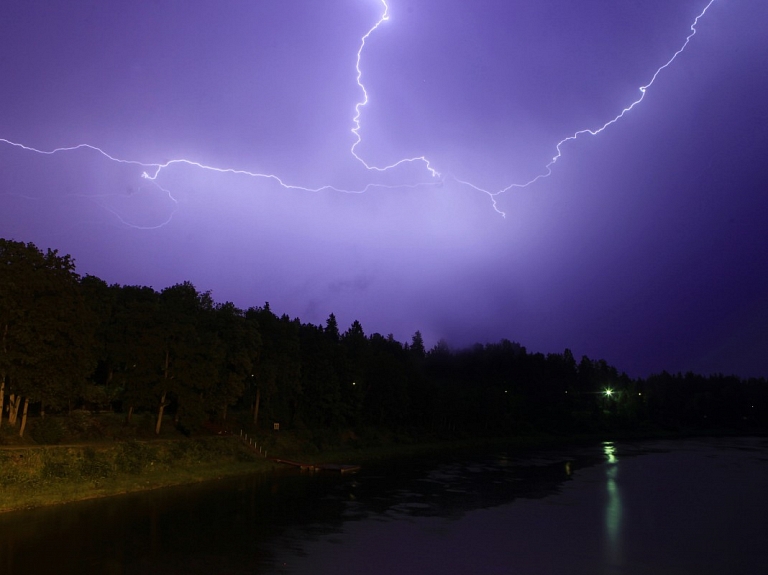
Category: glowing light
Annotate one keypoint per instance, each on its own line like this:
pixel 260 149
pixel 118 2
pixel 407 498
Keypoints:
pixel 364 102
pixel 595 131
pixel 613 509
pixel 152 171
pixel 608 392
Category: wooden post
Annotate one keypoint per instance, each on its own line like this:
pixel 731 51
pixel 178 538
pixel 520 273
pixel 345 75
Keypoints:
pixel 160 410
pixel 256 406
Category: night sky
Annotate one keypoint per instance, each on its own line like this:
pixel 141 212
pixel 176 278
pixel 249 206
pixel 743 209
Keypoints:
pixel 647 245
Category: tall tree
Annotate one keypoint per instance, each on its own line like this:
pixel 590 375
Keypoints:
pixel 45 328
pixel 417 346
pixel 239 344
pixel 332 328
pixel 277 376
pixel 187 370
pixel 134 347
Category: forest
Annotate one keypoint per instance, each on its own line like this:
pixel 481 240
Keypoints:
pixel 70 342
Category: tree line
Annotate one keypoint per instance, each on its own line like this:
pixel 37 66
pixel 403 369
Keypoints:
pixel 68 341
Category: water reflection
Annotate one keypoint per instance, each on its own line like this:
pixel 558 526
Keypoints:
pixel 610 508
pixel 613 507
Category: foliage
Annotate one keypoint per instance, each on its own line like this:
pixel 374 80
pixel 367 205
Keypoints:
pixel 176 355
pixel 82 425
pixel 134 457
pixel 96 465
pixel 47 431
pixel 47 347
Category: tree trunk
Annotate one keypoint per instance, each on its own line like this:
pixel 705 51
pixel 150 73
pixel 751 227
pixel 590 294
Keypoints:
pixel 160 411
pixel 2 396
pixel 13 408
pixel 24 417
pixel 42 410
pixel 2 375
pixel 256 407
pixel 128 415
pixel 224 412
pixel 161 408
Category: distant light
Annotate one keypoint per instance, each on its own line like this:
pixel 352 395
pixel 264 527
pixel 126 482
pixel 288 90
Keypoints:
pixel 505 391
pixel 608 392
pixel 353 383
pixel 609 448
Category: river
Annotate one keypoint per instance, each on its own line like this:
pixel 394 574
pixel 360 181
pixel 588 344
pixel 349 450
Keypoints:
pixel 661 507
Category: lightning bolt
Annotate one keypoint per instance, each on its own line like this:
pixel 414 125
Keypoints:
pixel 547 171
pixel 364 102
pixel 152 170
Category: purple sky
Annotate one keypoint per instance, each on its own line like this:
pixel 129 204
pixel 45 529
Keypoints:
pixel 647 245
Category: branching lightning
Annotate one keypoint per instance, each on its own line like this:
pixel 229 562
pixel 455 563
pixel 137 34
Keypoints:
pixel 153 170
pixel 594 132
pixel 364 102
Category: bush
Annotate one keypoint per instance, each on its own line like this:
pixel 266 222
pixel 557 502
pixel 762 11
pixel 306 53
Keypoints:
pixel 58 464
pixel 47 431
pixel 85 426
pixel 10 471
pixel 189 451
pixel 95 465
pixel 133 457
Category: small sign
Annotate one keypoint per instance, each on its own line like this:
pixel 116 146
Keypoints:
pixel 276 426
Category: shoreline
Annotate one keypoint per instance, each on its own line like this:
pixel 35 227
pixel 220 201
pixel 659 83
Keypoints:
pixel 44 475
pixel 62 494
pixel 31 494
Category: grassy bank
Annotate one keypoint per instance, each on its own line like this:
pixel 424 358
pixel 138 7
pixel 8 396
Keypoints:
pixel 104 456
pixel 35 476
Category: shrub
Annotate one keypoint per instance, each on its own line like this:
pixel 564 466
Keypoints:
pixel 10 471
pixel 47 431
pixel 133 457
pixel 58 464
pixel 95 464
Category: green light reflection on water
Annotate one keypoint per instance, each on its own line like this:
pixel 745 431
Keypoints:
pixel 613 508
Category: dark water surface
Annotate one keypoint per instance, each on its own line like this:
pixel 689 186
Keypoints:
pixel 664 507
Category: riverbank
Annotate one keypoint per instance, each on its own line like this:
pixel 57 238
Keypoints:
pixel 36 476
pixel 42 475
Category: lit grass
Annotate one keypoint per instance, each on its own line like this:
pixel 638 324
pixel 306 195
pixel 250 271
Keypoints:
pixel 34 476
pixel 22 497
pixel 37 477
